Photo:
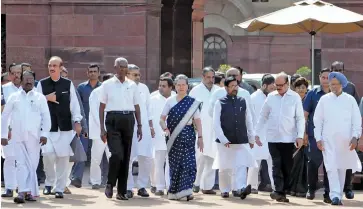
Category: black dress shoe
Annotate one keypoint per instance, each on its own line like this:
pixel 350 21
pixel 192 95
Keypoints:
pixel 278 197
pixel 349 194
pixel 310 195
pixel 236 193
pixel 225 194
pixel 196 189
pixel 159 193
pixel 8 193
pixel 59 195
pixel 153 190
pixel 129 194
pixel 327 199
pixel 142 193
pixel 47 190
pixel 30 198
pixel 76 183
pixel 209 192
pixel 109 191
pixel 121 197
pixel 19 199
pixel 336 201
pixel 245 191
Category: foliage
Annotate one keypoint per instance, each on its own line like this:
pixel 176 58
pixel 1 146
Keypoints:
pixel 304 71
pixel 223 68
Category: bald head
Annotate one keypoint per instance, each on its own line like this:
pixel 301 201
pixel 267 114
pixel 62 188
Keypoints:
pixel 234 72
pixel 282 83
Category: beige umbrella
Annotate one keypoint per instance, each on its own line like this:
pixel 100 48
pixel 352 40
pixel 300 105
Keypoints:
pixel 309 16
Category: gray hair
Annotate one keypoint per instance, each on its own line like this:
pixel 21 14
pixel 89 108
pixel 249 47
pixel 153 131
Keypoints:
pixel 283 75
pixel 120 61
pixel 181 77
pixel 230 70
pixel 207 70
pixel 133 67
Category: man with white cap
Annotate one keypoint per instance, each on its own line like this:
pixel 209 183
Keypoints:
pixel 338 127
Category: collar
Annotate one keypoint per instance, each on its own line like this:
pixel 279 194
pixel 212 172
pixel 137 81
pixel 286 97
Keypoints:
pixel 115 79
pixel 231 97
pixel 97 84
pixel 31 92
pixel 289 92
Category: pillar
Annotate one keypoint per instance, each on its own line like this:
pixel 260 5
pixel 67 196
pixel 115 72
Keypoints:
pixel 198 38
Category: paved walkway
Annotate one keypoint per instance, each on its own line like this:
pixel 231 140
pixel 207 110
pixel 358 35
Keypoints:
pixel 88 198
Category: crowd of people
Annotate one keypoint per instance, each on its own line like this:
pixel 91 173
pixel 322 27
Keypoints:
pixel 221 134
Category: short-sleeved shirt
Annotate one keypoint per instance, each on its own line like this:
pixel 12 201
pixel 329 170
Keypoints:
pixel 171 102
pixel 119 96
pixel 84 90
pixel 309 104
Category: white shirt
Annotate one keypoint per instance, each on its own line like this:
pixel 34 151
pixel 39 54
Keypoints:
pixel 337 121
pixel 157 103
pixel 283 117
pixel 29 111
pixel 74 104
pixel 8 89
pixel 171 102
pixel 94 120
pixel 219 131
pixel 144 95
pixel 157 92
pixel 337 116
pixel 119 96
pixel 221 92
pixel 203 94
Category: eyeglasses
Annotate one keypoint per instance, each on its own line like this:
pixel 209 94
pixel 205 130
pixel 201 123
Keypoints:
pixel 280 85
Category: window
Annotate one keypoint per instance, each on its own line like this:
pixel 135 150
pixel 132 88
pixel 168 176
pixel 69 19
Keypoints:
pixel 215 51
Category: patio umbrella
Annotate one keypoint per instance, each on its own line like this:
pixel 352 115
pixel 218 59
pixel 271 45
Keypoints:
pixel 309 16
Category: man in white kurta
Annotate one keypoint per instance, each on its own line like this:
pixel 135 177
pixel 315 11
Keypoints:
pixel 234 132
pixel 98 146
pixel 205 177
pixel 220 93
pixel 57 151
pixel 338 127
pixel 159 178
pixel 27 109
pixel 261 152
pixel 141 150
pixel 8 152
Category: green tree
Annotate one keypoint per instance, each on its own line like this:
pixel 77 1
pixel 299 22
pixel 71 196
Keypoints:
pixel 305 72
pixel 223 68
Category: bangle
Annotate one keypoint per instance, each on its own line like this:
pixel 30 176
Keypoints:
pixel 200 137
pixel 139 125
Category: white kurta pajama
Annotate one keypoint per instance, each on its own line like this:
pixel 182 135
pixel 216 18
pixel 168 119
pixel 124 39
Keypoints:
pixel 159 176
pixel 8 151
pixel 98 146
pixel 337 120
pixel 57 151
pixel 232 162
pixel 260 153
pixel 239 172
pixel 142 150
pixel 205 177
pixel 29 111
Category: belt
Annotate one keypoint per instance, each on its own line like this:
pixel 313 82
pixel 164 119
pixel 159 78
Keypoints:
pixel 121 112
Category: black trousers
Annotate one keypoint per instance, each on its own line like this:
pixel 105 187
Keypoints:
pixel 2 168
pixel 120 130
pixel 265 178
pixel 282 162
pixel 40 169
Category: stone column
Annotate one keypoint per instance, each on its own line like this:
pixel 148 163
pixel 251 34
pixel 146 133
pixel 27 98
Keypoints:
pixel 166 36
pixel 198 38
pixel 153 43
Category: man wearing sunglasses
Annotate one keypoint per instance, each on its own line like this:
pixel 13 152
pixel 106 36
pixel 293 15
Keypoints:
pixel 338 66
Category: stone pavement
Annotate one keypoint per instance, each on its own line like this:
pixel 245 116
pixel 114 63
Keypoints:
pixel 95 199
pixel 85 197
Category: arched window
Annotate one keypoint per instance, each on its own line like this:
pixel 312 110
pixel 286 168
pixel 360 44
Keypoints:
pixel 215 51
